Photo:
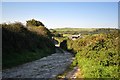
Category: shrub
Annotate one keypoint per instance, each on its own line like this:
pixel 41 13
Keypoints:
pixel 63 44
pixel 97 55
pixel 20 42
pixel 33 22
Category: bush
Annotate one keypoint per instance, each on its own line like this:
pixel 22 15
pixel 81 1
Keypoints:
pixel 97 55
pixel 58 35
pixel 22 43
pixel 33 22
pixel 63 44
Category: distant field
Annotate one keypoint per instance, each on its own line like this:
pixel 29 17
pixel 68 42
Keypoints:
pixel 72 31
pixel 75 29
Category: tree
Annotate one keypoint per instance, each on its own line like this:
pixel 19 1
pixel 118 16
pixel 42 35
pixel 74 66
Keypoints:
pixel 34 22
pixel 63 44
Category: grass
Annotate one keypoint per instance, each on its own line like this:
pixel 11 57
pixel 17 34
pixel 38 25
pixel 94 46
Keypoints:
pixel 71 31
pixel 75 29
pixel 15 59
pixel 60 39
pixel 66 35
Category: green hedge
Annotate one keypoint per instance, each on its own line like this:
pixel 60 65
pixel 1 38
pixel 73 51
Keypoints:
pixel 19 44
pixel 97 54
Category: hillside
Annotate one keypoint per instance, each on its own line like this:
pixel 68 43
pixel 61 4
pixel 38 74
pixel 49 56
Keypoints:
pixel 21 44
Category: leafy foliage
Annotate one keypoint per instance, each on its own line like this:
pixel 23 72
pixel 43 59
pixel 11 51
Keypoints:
pixel 63 44
pixel 97 54
pixel 33 22
pixel 21 44
pixel 41 30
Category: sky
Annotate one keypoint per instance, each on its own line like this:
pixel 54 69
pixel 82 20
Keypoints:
pixel 63 14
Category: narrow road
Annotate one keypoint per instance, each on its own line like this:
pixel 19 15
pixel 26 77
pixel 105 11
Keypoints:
pixel 47 67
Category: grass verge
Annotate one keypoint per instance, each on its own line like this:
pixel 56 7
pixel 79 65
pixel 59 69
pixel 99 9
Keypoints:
pixel 15 59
